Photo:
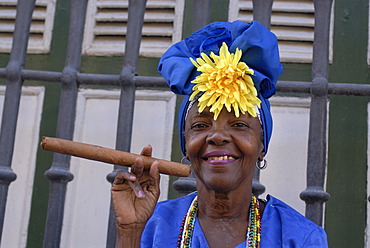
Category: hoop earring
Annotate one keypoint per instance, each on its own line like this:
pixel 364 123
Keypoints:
pixel 261 164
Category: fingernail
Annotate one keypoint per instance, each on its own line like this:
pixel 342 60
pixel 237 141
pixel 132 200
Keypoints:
pixel 132 177
pixel 141 194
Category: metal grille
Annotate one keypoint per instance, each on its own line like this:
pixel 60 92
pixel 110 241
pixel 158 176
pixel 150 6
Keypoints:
pixel 71 78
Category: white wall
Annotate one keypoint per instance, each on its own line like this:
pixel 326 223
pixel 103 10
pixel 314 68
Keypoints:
pixel 285 175
pixel 23 164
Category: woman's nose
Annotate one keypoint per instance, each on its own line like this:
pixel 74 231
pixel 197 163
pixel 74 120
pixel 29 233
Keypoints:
pixel 218 137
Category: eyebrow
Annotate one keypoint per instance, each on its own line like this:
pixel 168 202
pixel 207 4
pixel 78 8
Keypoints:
pixel 202 114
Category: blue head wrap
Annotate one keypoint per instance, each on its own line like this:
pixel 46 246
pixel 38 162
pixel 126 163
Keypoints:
pixel 260 52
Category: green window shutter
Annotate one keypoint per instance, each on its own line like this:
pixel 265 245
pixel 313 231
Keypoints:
pixel 106 27
pixel 41 26
pixel 293 23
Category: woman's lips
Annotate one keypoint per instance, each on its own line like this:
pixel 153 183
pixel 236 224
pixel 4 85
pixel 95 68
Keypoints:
pixel 220 162
pixel 219 158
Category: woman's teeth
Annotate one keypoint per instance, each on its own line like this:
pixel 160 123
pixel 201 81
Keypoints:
pixel 221 158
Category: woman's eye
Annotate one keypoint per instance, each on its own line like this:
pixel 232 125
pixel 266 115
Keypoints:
pixel 198 125
pixel 240 124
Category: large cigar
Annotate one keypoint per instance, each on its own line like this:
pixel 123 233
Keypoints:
pixel 111 156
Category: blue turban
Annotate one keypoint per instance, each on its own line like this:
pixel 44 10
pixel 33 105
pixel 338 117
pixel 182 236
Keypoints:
pixel 260 52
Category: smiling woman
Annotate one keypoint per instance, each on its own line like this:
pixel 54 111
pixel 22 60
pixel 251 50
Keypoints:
pixel 223 152
pixel 227 72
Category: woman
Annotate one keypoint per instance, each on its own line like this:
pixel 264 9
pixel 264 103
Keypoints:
pixel 225 126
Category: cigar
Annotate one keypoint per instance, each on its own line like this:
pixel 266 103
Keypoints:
pixel 111 156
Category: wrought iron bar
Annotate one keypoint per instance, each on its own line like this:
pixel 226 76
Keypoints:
pixel 349 89
pixel 201 17
pixel 59 174
pixel 314 195
pixel 46 76
pixel 345 89
pixel 293 87
pixel 12 100
pixel 201 13
pixel 135 23
pixel 262 13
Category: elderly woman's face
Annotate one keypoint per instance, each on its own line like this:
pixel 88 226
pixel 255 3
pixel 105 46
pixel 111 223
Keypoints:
pixel 222 152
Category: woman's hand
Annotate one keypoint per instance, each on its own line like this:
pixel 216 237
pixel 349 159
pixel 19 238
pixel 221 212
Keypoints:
pixel 135 194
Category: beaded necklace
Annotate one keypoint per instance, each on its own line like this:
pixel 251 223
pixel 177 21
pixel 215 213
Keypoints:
pixel 253 231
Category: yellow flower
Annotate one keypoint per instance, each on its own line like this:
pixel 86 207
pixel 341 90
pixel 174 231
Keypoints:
pixel 225 81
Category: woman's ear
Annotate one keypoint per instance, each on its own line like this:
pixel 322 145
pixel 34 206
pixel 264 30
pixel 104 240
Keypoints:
pixel 261 154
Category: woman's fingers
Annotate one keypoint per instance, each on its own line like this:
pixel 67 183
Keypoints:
pixel 154 171
pixel 122 177
pixel 125 178
pixel 138 167
pixel 132 178
pixel 154 179
pixel 136 178
pixel 136 187
pixel 147 151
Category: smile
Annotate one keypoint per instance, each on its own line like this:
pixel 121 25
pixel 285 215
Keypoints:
pixel 221 158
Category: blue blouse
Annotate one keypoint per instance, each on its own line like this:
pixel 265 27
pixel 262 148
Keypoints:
pixel 282 226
